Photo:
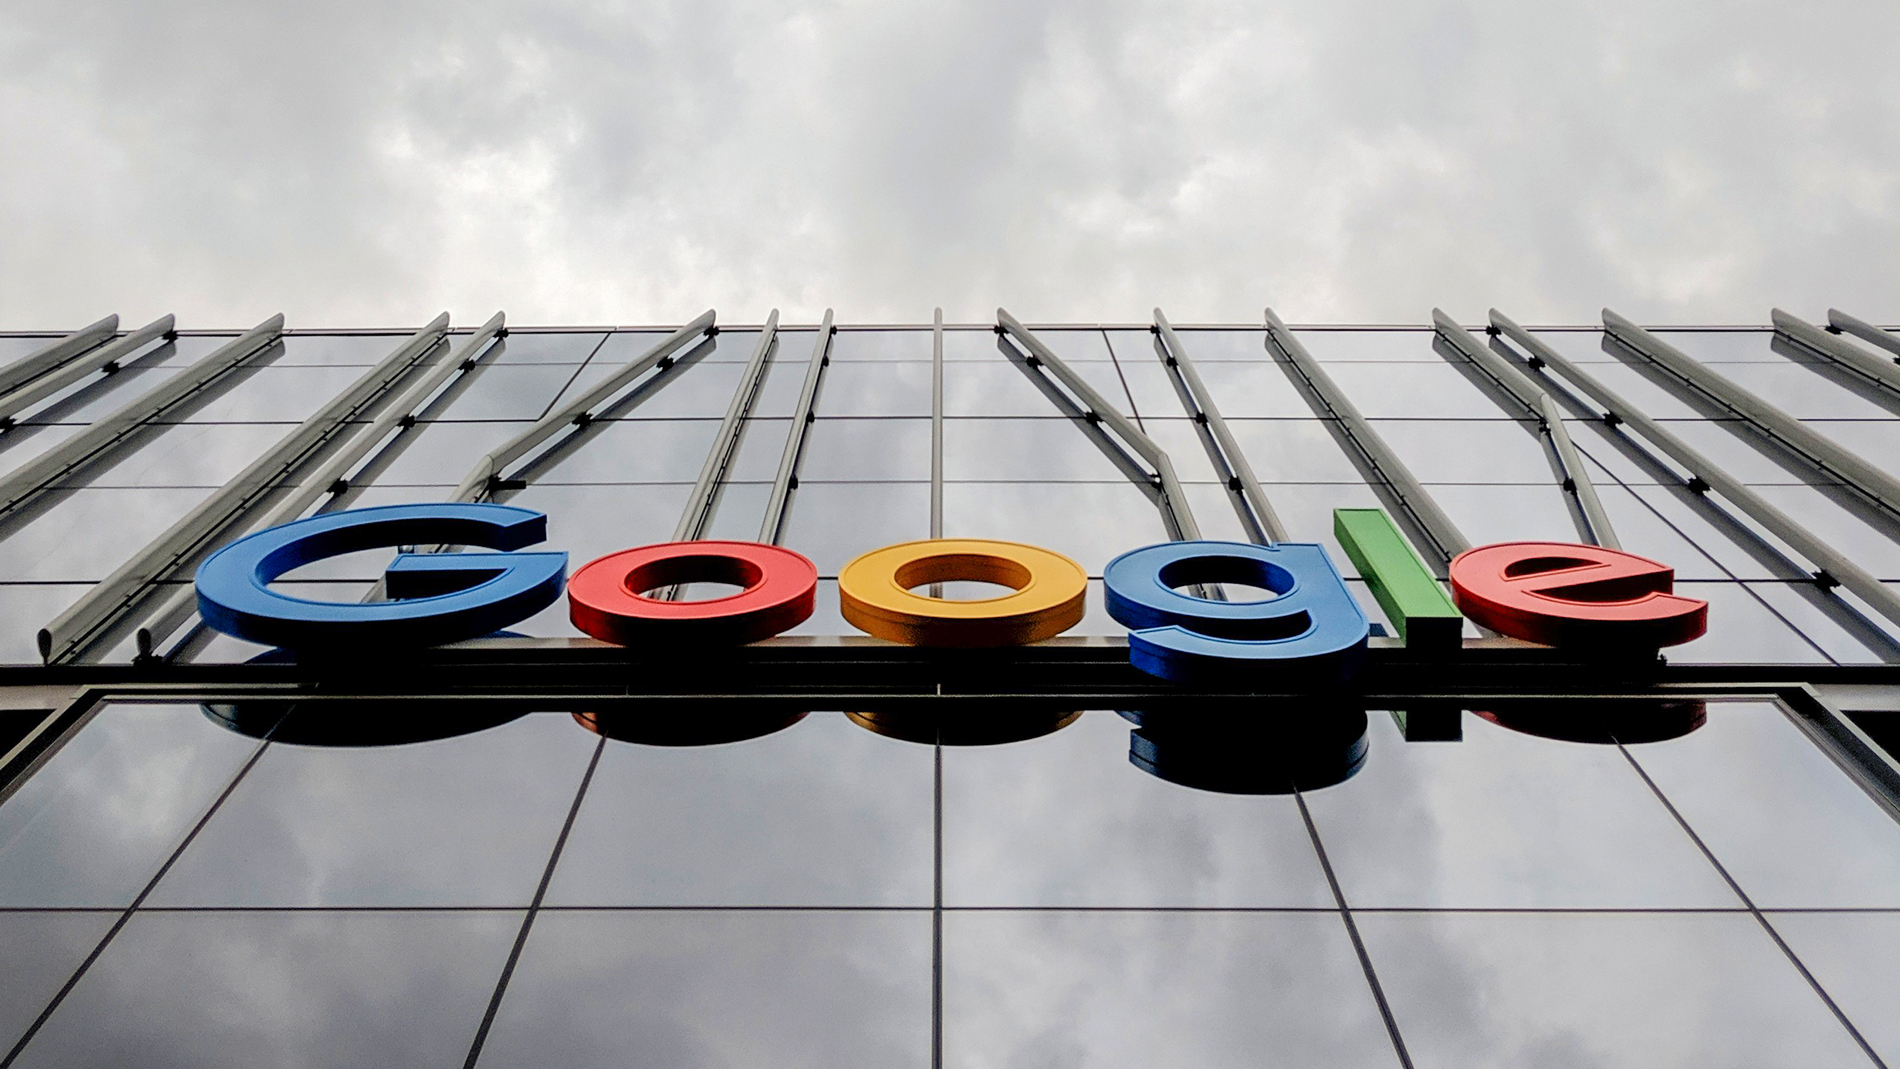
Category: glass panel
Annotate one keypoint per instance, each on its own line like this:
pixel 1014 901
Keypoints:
pixel 1412 390
pixel 96 395
pixel 89 533
pixel 1148 989
pixel 592 521
pixel 630 451
pixel 877 346
pixel 1856 959
pixel 1351 345
pixel 841 449
pixel 862 388
pixel 1875 439
pixel 503 391
pixel 1598 989
pixel 1250 389
pixel 1742 630
pixel 356 820
pixel 1828 622
pixel 1000 388
pixel 1467 450
pixel 693 989
pixel 190 454
pixel 1205 346
pixel 1802 391
pixel 41 951
pixel 24 609
pixel 92 826
pixel 1777 813
pixel 263 394
pixel 570 347
pixel 1022 449
pixel 761 447
pixel 1293 451
pixel 1652 522
pixel 24 443
pixel 435 453
pixel 769 821
pixel 275 988
pixel 1068 820
pixel 1091 523
pixel 1825 513
pixel 1490 514
pixel 834 522
pixel 1505 819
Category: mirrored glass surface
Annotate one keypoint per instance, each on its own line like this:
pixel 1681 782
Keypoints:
pixel 1834 516
pixel 499 391
pixel 1068 820
pixel 1023 449
pixel 83 535
pixel 282 989
pixel 1293 451
pixel 864 388
pixel 93 825
pixel 1742 629
pixel 624 451
pixel 1219 343
pixel 1846 631
pixel 1467 450
pixel 820 813
pixel 569 347
pixel 1505 819
pixel 684 988
pixel 1349 345
pixel 1091 523
pixel 592 521
pixel 1655 523
pixel 1856 959
pixel 1788 825
pixel 1515 989
pixel 1803 391
pixel 434 453
pixel 41 950
pixel 876 346
pixel 1502 513
pixel 761 449
pixel 1252 388
pixel 24 609
pixel 189 454
pixel 1412 390
pixel 1002 388
pixel 853 449
pixel 834 522
pixel 1156 988
pixel 466 820
pixel 272 393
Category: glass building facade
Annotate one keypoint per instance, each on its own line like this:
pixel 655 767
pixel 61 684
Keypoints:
pixel 536 849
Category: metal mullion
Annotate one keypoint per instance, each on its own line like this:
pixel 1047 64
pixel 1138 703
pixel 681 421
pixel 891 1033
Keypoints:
pixel 936 426
pixel 1230 463
pixel 1176 516
pixel 333 476
pixel 772 528
pixel 1593 523
pixel 56 352
pixel 105 356
pixel 712 475
pixel 1847 324
pixel 1412 500
pixel 112 432
pixel 94 618
pixel 483 478
pixel 1868 370
pixel 1873 485
pixel 1834 567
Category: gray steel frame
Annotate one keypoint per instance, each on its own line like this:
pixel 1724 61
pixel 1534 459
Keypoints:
pixel 96 618
pixel 699 508
pixel 107 357
pixel 1840 322
pixel 1386 471
pixel 1244 491
pixel 109 434
pixel 1833 567
pixel 1093 413
pixel 1871 485
pixel 772 527
pixel 936 425
pixel 58 351
pixel 1866 368
pixel 1586 509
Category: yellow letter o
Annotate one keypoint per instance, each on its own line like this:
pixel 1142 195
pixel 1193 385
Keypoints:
pixel 1048 591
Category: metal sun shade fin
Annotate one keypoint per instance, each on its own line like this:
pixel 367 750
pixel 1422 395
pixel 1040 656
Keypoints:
pixel 699 506
pixel 1249 499
pixel 57 379
pixel 1833 566
pixel 332 477
pixel 1446 541
pixel 1176 516
pixel 109 433
pixel 1872 484
pixel 936 427
pixel 1593 523
pixel 1863 330
pixel 56 352
pixel 772 528
pixel 1875 372
pixel 96 616
pixel 487 472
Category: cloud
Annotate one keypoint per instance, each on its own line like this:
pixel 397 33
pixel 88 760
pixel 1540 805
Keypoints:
pixel 636 162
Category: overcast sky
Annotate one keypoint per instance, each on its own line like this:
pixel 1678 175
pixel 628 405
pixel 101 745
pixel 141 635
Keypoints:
pixel 370 163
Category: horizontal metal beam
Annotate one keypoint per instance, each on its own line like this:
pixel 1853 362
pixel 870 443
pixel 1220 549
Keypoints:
pixel 1444 540
pixel 487 472
pixel 1865 331
pixel 772 527
pixel 53 353
pixel 109 356
pixel 1877 372
pixel 1832 566
pixel 1876 487
pixel 1176 514
pixel 1249 498
pixel 1593 523
pixel 97 617
pixel 697 514
pixel 110 433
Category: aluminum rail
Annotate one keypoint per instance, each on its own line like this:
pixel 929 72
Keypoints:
pixel 483 477
pixel 112 432
pixel 1833 567
pixel 936 430
pixel 773 526
pixel 333 476
pixel 1249 499
pixel 1593 523
pixel 1176 515
pixel 56 352
pixel 105 356
pixel 1446 541
pixel 1846 324
pixel 698 512
pixel 81 629
pixel 1872 484
pixel 1881 374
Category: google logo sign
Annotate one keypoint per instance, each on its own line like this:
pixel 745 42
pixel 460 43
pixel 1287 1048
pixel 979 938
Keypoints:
pixel 1309 628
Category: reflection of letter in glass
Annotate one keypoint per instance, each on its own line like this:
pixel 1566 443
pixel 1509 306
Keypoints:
pixel 444 597
pixel 991 723
pixel 1251 751
pixel 1562 594
pixel 1603 722
pixel 659 723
